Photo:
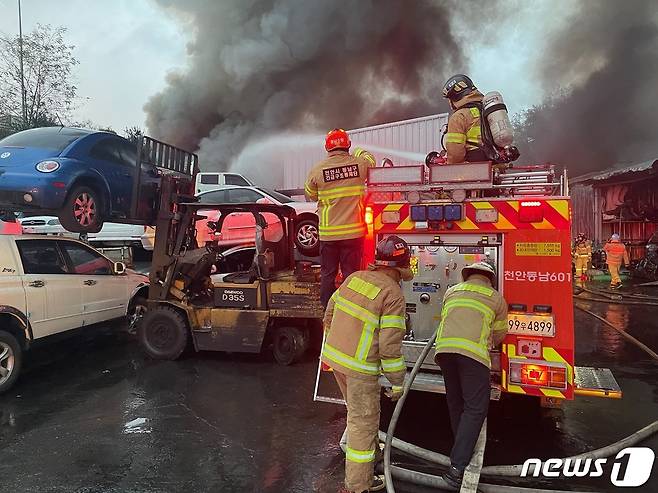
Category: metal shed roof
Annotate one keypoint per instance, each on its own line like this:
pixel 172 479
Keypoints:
pixel 644 168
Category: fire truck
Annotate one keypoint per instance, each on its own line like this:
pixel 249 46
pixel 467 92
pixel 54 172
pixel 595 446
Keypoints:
pixel 519 221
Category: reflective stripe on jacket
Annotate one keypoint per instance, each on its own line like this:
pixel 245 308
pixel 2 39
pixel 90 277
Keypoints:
pixel 464 131
pixel 473 320
pixel 616 253
pixel 338 184
pixel 364 325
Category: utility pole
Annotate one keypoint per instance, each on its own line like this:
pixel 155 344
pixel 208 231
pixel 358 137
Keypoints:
pixel 20 55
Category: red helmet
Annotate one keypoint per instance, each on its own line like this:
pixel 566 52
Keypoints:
pixel 337 139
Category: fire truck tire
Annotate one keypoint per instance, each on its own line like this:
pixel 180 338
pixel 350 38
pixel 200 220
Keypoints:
pixel 307 239
pixel 163 333
pixel 289 344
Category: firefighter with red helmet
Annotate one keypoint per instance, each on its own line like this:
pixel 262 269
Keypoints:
pixel 365 325
pixel 582 255
pixel 473 320
pixel 338 184
pixel 463 140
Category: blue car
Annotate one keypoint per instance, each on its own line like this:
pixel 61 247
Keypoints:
pixel 85 177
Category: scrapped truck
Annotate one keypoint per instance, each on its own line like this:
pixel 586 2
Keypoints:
pixel 519 221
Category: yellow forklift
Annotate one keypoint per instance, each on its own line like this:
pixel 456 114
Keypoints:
pixel 273 303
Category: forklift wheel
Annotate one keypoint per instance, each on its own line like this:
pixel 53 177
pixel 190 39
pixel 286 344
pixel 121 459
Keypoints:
pixel 290 344
pixel 163 333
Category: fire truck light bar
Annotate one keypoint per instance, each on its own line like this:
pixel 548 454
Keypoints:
pixel 412 175
pixel 454 173
pixel 531 212
pixel 535 374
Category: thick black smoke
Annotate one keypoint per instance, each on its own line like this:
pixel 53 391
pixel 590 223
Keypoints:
pixel 258 67
pixel 604 67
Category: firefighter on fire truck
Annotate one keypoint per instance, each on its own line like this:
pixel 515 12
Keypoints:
pixel 464 137
pixel 338 184
pixel 365 325
pixel 582 255
pixel 473 321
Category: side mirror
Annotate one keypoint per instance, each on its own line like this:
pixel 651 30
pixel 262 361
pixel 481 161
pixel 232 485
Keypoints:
pixel 264 200
pixel 119 268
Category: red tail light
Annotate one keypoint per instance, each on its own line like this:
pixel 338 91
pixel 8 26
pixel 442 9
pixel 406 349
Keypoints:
pixel 553 375
pixel 531 211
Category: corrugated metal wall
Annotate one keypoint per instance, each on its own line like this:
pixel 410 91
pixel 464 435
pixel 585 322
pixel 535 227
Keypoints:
pixel 417 136
pixel 584 211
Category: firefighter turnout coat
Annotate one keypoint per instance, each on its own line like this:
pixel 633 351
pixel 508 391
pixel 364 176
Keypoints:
pixel 464 133
pixel 364 325
pixel 473 320
pixel 583 249
pixel 616 253
pixel 338 184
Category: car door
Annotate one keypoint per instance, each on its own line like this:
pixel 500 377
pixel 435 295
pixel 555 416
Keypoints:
pixel 109 161
pixel 104 294
pixel 53 294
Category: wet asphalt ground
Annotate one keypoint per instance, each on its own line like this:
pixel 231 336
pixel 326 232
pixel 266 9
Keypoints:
pixel 92 414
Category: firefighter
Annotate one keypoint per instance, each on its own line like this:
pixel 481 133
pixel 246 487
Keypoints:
pixel 473 321
pixel 582 255
pixel 616 254
pixel 365 325
pixel 338 184
pixel 463 140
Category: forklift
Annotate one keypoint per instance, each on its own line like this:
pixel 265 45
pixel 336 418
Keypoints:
pixel 275 303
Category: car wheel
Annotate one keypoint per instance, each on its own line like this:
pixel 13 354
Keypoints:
pixel 289 345
pixel 11 359
pixel 136 312
pixel 82 211
pixel 307 238
pixel 163 333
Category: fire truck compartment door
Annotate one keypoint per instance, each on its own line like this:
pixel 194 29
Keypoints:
pixel 437 268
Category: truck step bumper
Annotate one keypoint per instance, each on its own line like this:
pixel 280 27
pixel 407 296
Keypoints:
pixel 596 382
pixel 433 382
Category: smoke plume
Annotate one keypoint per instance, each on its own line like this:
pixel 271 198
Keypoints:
pixel 258 67
pixel 603 70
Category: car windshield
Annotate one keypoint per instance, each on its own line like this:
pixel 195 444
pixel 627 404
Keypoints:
pixel 55 138
pixel 284 199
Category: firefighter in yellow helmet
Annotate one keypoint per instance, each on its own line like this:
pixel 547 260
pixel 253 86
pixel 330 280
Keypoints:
pixel 463 140
pixel 338 184
pixel 473 321
pixel 582 256
pixel 365 325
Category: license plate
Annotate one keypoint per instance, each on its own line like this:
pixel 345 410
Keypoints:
pixel 527 324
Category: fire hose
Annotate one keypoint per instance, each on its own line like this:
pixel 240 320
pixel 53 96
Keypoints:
pixel 499 471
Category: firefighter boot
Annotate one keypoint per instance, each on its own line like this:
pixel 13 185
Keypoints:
pixel 453 478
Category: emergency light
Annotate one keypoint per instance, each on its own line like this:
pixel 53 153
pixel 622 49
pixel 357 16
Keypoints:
pixel 531 211
pixel 452 212
pixel 409 175
pixel 435 213
pixel 368 215
pixel 418 213
pixel 456 173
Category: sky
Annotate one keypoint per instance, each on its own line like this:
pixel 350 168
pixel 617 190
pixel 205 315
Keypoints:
pixel 126 48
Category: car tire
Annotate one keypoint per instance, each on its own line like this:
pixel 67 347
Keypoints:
pixel 11 360
pixel 163 333
pixel 289 345
pixel 83 210
pixel 307 238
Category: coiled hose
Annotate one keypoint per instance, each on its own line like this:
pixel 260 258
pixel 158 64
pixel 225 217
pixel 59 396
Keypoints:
pixel 499 471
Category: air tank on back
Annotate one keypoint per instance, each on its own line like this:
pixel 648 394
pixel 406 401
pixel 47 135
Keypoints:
pixel 495 112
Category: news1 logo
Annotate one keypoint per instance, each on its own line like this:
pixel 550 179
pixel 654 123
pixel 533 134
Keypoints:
pixel 631 467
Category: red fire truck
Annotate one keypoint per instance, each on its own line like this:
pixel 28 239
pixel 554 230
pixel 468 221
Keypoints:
pixel 519 221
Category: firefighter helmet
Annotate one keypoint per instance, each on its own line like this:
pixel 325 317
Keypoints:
pixel 392 251
pixel 337 139
pixel 480 268
pixel 615 237
pixel 457 87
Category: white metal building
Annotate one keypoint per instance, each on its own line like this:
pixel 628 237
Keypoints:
pixel 405 141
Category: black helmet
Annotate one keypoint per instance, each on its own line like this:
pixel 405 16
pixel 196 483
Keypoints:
pixel 392 251
pixel 457 87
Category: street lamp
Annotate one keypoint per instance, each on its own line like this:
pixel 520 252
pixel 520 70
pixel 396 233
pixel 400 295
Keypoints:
pixel 20 56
